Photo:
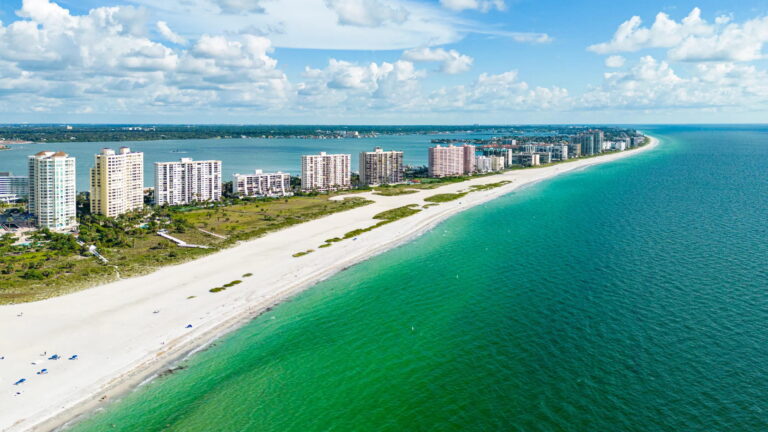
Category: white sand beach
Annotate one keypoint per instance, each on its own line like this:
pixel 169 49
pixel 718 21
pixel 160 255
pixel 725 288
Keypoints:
pixel 120 340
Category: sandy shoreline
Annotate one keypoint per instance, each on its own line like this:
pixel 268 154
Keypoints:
pixel 121 342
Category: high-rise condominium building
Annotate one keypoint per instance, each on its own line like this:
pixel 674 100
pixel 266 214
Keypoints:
pixel 325 172
pixel 381 167
pixel 117 182
pixel 52 190
pixel 587 143
pixel 261 184
pixel 574 149
pixel 187 181
pixel 451 161
pixel 599 138
pixel 13 188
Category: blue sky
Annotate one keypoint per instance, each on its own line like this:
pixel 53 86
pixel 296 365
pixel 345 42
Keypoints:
pixel 383 61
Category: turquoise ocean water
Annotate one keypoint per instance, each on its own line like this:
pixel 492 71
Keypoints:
pixel 631 296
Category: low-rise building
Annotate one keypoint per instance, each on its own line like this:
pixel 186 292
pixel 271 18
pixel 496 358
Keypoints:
pixel 497 163
pixel 636 141
pixel 261 184
pixel 544 157
pixel 559 151
pixel 483 164
pixel 525 159
pixel 527 148
pixel 13 188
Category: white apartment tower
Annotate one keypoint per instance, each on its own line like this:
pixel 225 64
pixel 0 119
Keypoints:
pixel 380 167
pixel 187 181
pixel 262 184
pixel 325 172
pixel 117 182
pixel 52 190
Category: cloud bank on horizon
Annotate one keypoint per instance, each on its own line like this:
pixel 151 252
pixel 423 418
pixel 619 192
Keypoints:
pixel 374 61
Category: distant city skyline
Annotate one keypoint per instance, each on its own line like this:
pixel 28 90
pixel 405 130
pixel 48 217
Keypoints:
pixel 383 61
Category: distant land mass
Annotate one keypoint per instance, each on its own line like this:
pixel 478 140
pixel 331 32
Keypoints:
pixel 40 133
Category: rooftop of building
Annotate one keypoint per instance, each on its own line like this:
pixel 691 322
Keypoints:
pixel 49 154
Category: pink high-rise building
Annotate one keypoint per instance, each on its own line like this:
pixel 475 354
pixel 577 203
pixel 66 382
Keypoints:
pixel 451 161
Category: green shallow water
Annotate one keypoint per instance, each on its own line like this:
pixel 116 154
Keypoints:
pixel 626 297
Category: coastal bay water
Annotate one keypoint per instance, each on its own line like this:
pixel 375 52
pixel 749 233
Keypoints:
pixel 628 296
pixel 239 155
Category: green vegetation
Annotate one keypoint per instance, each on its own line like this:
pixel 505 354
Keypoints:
pixel 247 275
pixel 393 191
pixel 397 213
pixel 357 232
pixel 386 217
pixel 246 219
pixel 302 253
pixel 439 198
pixel 489 186
pixel 223 287
pixel 54 264
pixel 426 206
pixel 324 245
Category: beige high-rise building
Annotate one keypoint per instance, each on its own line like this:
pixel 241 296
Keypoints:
pixel 117 182
pixel 381 167
pixel 52 190
pixel 325 172
pixel 451 161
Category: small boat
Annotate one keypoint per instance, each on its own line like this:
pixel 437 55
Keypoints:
pixel 54 357
pixel 74 357
pixel 189 326
pixel 21 381
pixel 43 372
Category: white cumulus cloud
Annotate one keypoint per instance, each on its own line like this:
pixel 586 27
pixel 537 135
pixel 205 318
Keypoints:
pixel 664 33
pixel 105 61
pixel 693 39
pixel 499 92
pixel 350 86
pixel 168 34
pixel 451 61
pixel 615 61
pixel 653 84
